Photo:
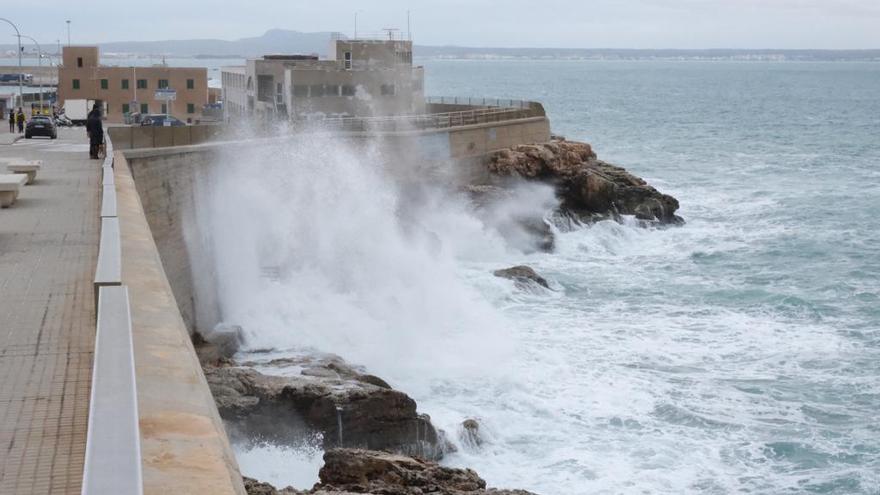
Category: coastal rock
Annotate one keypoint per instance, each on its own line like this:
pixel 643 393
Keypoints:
pixel 326 397
pixel 523 276
pixel 589 188
pixel 469 434
pixel 363 471
pixel 350 471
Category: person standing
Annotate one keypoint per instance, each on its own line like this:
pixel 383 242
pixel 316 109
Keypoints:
pixel 11 120
pixel 95 130
pixel 19 119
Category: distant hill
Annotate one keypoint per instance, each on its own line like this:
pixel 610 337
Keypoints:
pixel 285 41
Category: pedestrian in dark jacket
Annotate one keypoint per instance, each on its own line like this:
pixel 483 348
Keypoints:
pixel 95 130
pixel 11 120
pixel 19 119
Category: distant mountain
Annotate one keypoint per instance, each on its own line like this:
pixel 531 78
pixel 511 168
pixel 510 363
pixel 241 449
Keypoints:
pixel 285 41
pixel 273 41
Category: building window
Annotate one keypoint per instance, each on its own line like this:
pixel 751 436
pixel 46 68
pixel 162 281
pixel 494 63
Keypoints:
pixel 163 83
pixel 142 84
pixel 316 90
pixel 125 84
pixel 347 59
pixel 125 108
pixel 164 108
pixel 331 90
pixel 190 84
pixel 76 84
pixel 388 90
pixel 348 90
pixel 300 90
pixel 190 108
pixel 79 61
pixel 105 84
pixel 145 108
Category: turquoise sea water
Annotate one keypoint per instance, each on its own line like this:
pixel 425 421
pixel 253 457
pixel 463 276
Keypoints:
pixel 737 353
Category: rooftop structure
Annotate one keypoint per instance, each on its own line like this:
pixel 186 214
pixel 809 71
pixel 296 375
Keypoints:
pixel 364 77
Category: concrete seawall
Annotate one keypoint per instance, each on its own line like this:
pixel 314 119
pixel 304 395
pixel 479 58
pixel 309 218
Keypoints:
pixel 183 443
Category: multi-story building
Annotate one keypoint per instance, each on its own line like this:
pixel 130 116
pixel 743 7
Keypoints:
pixel 365 77
pixel 125 90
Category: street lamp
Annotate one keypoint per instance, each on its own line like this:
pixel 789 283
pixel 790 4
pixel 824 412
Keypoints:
pixel 356 12
pixel 40 63
pixel 20 74
pixel 68 32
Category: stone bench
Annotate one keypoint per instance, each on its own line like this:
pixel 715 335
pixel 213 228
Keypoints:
pixel 10 185
pixel 113 451
pixel 27 168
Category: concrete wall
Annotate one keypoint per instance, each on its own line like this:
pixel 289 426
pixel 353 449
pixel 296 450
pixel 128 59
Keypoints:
pixel 184 447
pixel 166 181
pixel 136 137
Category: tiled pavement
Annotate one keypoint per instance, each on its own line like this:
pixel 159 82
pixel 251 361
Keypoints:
pixel 48 251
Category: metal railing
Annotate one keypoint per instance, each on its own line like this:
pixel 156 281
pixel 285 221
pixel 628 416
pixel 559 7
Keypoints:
pixel 481 111
pixel 481 102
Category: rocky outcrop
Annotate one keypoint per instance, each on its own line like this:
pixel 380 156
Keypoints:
pixel 348 471
pixel 325 398
pixel 589 188
pixel 523 276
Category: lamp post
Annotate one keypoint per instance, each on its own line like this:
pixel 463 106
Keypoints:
pixel 20 74
pixel 356 12
pixel 68 32
pixel 40 64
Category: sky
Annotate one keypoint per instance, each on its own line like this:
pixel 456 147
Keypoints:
pixel 789 24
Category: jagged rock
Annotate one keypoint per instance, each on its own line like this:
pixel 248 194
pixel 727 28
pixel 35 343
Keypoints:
pixel 254 487
pixel 469 434
pixel 388 474
pixel 522 275
pixel 350 471
pixel 325 395
pixel 589 188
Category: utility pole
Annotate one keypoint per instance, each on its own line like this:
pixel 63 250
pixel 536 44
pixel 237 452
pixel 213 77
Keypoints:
pixel 20 73
pixel 40 64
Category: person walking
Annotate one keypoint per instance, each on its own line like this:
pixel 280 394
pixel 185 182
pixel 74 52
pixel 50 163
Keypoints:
pixel 11 120
pixel 19 119
pixel 95 130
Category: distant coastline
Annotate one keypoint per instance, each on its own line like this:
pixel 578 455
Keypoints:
pixel 285 41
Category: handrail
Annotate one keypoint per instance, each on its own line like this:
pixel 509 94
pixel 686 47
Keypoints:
pixel 483 111
pixel 113 450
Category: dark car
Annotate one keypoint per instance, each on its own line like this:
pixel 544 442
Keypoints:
pixel 40 125
pixel 160 121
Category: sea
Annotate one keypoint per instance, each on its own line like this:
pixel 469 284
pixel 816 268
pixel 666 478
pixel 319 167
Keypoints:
pixel 736 353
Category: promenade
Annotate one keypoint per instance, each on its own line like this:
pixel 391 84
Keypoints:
pixel 48 250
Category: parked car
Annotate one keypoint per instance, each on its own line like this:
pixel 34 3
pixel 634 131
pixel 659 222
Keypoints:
pixel 160 121
pixel 40 125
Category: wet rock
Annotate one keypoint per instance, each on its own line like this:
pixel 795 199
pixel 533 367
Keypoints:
pixel 469 434
pixel 349 471
pixel 323 396
pixel 254 487
pixel 380 472
pixel 588 188
pixel 523 276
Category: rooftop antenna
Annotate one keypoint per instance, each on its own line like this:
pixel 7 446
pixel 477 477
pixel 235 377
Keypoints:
pixel 408 30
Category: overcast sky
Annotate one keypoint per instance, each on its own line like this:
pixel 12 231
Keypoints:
pixel 495 23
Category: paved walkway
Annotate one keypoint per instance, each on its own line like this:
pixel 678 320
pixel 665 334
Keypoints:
pixel 48 251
